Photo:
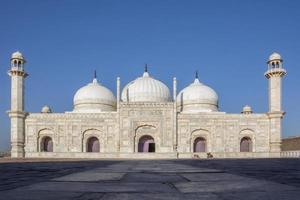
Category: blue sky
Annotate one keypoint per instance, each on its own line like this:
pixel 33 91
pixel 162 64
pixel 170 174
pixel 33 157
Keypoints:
pixel 227 41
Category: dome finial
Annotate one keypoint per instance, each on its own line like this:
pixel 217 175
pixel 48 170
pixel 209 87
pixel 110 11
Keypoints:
pixel 95 74
pixel 196 81
pixel 146 74
pixel 95 77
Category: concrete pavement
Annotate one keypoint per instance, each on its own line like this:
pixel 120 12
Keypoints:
pixel 151 179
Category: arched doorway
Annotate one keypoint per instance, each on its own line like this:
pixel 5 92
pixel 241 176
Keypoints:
pixel 93 145
pixel 246 144
pixel 47 144
pixel 146 144
pixel 200 144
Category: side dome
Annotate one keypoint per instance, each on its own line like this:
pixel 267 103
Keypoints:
pixel 94 98
pixel 197 97
pixel 146 89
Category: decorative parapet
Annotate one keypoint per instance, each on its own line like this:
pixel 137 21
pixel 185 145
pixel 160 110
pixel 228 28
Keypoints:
pixel 71 115
pixel 290 154
pixel 147 104
pixel 223 115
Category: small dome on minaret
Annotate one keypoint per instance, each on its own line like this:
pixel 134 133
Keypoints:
pixel 275 56
pixel 17 55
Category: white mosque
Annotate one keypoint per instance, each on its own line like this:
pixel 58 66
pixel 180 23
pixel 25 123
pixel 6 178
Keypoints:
pixel 145 120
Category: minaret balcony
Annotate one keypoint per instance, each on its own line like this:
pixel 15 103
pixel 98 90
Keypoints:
pixel 275 72
pixel 17 72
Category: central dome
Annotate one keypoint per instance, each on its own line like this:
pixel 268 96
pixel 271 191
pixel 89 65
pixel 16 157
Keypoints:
pixel 145 89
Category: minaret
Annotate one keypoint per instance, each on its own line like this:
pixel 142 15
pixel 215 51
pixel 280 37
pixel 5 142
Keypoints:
pixel 175 134
pixel 16 113
pixel 274 75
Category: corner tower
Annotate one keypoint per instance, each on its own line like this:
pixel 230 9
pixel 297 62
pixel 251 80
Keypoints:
pixel 16 113
pixel 275 74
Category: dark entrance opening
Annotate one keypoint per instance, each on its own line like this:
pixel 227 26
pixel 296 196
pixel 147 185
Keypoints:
pixel 93 145
pixel 146 144
pixel 246 144
pixel 47 144
pixel 199 145
pixel 151 147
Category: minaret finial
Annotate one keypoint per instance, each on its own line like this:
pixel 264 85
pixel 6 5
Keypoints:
pixel 196 74
pixel 146 67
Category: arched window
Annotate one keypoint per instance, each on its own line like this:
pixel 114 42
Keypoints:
pixel 246 144
pixel 47 144
pixel 93 145
pixel 146 144
pixel 200 144
pixel 273 65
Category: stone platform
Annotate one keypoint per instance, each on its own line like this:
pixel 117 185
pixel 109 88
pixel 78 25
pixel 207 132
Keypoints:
pixel 150 179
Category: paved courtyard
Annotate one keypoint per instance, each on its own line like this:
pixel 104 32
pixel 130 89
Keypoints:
pixel 150 179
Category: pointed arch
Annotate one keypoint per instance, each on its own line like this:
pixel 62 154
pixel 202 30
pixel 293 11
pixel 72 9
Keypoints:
pixel 246 144
pixel 45 140
pixel 199 140
pixel 248 130
pixel 148 130
pixel 145 126
pixel 92 140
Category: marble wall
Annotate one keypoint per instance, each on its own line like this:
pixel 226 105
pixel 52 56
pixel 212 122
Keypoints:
pixel 174 133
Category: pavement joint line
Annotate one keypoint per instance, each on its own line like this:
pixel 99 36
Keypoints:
pixel 172 186
pixel 179 174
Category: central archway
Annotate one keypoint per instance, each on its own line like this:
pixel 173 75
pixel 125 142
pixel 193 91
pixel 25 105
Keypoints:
pixel 146 144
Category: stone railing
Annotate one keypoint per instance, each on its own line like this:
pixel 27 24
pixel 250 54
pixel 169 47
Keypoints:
pixel 4 154
pixel 290 154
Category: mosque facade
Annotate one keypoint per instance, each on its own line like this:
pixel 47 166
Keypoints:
pixel 145 120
